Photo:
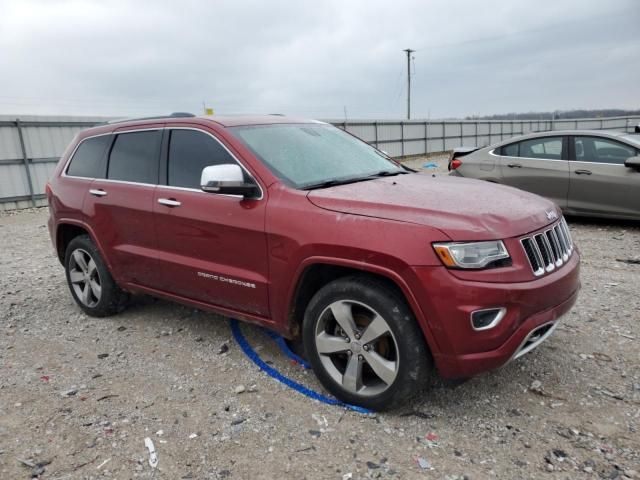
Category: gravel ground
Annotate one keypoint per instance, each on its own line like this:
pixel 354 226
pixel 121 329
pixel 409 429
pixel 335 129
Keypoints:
pixel 79 395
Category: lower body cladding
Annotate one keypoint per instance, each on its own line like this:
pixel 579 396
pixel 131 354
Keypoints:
pixel 518 316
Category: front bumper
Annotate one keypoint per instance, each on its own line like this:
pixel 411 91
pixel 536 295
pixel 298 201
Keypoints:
pixel 458 350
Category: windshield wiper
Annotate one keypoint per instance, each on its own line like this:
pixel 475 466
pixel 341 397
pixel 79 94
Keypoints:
pixel 344 181
pixel 331 183
pixel 387 173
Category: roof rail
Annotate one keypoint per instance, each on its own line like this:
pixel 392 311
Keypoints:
pixel 158 117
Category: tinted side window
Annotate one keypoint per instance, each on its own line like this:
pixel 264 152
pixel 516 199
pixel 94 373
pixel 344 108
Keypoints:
pixel 189 152
pixel 544 148
pixel 601 150
pixel 510 150
pixel 134 157
pixel 88 161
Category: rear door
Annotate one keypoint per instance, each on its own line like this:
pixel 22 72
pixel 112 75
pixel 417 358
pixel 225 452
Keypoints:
pixel 211 248
pixel 538 165
pixel 599 182
pixel 120 206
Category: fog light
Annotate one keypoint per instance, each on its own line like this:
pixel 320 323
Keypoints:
pixel 487 318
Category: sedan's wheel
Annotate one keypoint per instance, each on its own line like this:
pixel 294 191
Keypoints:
pixel 85 279
pixel 364 343
pixel 90 281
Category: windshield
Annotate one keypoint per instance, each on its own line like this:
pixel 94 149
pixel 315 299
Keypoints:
pixel 635 139
pixel 315 155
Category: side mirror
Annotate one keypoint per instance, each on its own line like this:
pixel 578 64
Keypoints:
pixel 227 179
pixel 633 162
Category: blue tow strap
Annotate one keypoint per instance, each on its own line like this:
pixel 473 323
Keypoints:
pixel 273 373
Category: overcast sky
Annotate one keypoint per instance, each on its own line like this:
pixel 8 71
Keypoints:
pixel 316 58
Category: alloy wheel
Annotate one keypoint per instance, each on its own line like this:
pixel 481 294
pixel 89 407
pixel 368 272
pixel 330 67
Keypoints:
pixel 357 347
pixel 85 278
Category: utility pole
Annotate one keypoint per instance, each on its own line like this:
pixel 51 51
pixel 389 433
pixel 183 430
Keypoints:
pixel 409 52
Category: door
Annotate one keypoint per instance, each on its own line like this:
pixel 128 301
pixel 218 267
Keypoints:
pixel 211 248
pixel 539 166
pixel 120 206
pixel 599 182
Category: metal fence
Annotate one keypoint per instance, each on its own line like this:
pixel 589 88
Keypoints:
pixel 419 137
pixel 31 146
pixel 29 150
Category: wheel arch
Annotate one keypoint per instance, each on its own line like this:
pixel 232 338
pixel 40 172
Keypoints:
pixel 67 230
pixel 315 273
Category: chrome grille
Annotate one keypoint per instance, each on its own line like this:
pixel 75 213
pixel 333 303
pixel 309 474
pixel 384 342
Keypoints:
pixel 549 249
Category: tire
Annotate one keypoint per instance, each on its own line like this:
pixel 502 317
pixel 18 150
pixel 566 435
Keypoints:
pixel 375 365
pixel 89 280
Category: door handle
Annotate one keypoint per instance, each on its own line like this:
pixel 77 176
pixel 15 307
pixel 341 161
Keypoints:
pixel 514 165
pixel 169 202
pixel 583 172
pixel 97 192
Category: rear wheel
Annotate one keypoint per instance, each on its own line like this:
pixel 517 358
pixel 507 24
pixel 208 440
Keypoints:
pixel 364 343
pixel 90 282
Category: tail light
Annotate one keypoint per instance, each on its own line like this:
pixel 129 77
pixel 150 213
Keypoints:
pixel 455 163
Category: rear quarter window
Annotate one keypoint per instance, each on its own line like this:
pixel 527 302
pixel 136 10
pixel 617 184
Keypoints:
pixel 89 158
pixel 510 150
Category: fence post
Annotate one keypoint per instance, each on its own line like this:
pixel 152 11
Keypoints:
pixel 426 140
pixel 375 130
pixel 25 160
pixel 477 140
pixel 444 138
pixel 402 139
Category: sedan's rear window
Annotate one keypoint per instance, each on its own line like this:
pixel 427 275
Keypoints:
pixel 510 150
pixel 544 148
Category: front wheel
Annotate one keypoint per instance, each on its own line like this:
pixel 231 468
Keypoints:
pixel 364 344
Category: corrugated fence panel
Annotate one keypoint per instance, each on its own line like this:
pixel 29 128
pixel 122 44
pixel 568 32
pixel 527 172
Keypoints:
pixel 589 124
pixel 13 181
pixel 414 147
pixel 617 124
pixel 388 131
pixel 363 132
pixel 49 141
pixel 40 173
pixel 414 131
pixel 9 144
pixel 393 149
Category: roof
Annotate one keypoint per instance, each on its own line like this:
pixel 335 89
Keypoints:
pixel 555 133
pixel 242 120
pixel 223 121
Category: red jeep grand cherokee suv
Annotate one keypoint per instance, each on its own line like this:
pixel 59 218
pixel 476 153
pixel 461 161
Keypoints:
pixel 385 274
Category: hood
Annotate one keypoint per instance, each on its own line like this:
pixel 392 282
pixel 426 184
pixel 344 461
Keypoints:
pixel 464 209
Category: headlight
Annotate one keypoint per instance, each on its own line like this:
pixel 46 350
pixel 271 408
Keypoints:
pixel 471 254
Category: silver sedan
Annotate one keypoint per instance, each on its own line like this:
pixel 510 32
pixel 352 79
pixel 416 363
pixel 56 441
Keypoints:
pixel 592 173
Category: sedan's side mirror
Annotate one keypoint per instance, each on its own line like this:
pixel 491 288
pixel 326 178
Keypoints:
pixel 633 162
pixel 227 179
